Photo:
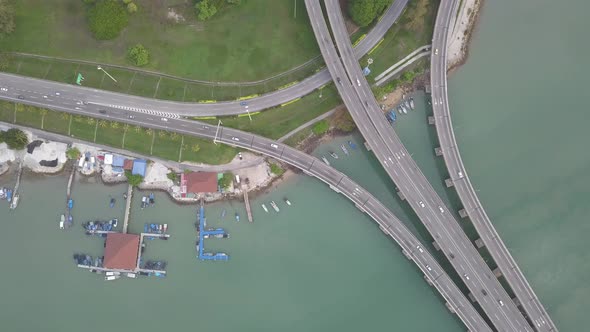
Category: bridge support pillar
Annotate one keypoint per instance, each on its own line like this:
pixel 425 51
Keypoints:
pixel 463 213
pixel 335 189
pixel 471 297
pixel 428 280
pixel 516 301
pixel 435 245
pixel 431 120
pixel 438 151
pixel 406 254
pixel 449 183
pixel 362 209
pixel 497 272
pixel 479 243
pixel 400 194
pixel 450 307
pixel 367 146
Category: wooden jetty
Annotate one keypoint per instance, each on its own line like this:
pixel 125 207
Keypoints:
pixel 127 208
pixel 247 203
pixel 15 195
pixel 69 196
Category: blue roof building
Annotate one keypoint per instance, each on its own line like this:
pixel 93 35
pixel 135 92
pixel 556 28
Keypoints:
pixel 139 167
pixel 118 161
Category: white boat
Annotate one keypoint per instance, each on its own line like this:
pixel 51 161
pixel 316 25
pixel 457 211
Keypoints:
pixel 112 273
pixel 399 109
pixel 344 149
pixel 274 206
pixel 412 103
pixel 61 225
pixel 264 207
pixel 14 202
pixel 407 103
pixel 131 275
pixel 165 228
pixel 333 154
pixel 287 201
pixel 325 160
pixel 62 221
pixel 404 109
pixel 109 278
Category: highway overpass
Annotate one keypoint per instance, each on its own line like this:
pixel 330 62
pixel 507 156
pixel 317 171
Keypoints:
pixel 399 165
pixel 458 175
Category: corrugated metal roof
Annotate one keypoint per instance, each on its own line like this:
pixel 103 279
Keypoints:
pixel 121 251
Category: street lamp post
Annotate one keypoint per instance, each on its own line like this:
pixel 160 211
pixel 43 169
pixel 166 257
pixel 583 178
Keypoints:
pixel 104 71
pixel 216 131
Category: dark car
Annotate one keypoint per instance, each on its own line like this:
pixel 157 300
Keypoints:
pixel 102 111
pixel 21 97
pixel 338 79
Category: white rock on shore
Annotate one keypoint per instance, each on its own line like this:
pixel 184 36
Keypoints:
pixel 458 44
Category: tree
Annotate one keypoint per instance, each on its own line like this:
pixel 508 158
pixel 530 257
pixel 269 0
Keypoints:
pixel 90 121
pixel 89 2
pixel 102 123
pixel 131 8
pixel 107 18
pixel 174 136
pixel 137 129
pixel 172 176
pixel 195 148
pixel 226 180
pixel 5 60
pixel 7 24
pixel 321 127
pixel 73 153
pixel 276 169
pixel 138 55
pixel 234 2
pixel 16 139
pixel 205 10
pixel 114 124
pixel 364 12
pixel 133 179
pixel 127 1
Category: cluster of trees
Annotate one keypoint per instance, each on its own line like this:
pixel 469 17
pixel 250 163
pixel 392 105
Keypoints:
pixel 364 12
pixel 321 127
pixel 107 18
pixel 7 24
pixel 208 8
pixel 133 179
pixel 138 55
pixel 226 180
pixel 16 139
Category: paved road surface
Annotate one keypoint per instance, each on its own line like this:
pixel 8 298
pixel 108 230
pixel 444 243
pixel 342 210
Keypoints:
pixel 111 100
pixel 507 265
pixel 403 170
pixel 339 182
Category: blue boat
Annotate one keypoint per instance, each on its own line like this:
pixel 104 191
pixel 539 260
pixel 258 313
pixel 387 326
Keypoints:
pixel 351 144
pixel 9 195
pixel 145 228
pixel 391 116
pixel 70 203
pixel 237 217
pixel 112 203
pixel 152 200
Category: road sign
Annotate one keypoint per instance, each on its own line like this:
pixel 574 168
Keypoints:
pixel 79 79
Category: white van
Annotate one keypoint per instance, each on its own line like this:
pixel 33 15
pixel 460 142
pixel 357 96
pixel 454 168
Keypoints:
pixel 237 179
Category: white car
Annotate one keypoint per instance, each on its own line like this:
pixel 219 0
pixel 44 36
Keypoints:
pixel 57 94
pixel 441 209
pixel 164 119
pixel 272 145
pixel 460 174
pixel 419 249
pixel 466 276
pixel 358 82
pixel 428 267
pixel 436 51
pixel 501 303
pixel 422 204
pixel 45 97
pixel 235 139
pixel 4 89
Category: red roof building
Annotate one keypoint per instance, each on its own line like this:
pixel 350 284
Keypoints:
pixel 128 164
pixel 121 251
pixel 198 182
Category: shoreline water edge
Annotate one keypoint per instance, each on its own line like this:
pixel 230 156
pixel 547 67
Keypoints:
pixel 49 148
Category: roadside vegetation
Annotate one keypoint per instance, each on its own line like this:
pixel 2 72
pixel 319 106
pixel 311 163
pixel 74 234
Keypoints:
pixel 7 23
pixel 15 138
pixel 276 169
pixel 146 141
pixel 364 12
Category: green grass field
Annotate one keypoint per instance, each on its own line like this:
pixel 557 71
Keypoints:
pixel 276 122
pixel 241 43
pixel 164 145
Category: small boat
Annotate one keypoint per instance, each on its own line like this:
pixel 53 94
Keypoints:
pixel 2 193
pixel 70 220
pixel 112 273
pixel 344 149
pixel 399 109
pixel 152 199
pixel 407 104
pixel 14 202
pixel 109 278
pixel 143 202
pixel 287 201
pixel 325 160
pixel 61 225
pixel 223 212
pixel 412 103
pixel 264 207
pixel 70 203
pixel 404 110
pixel 62 221
pixel 114 222
pixel 8 195
pixel 352 145
pixel 125 196
pixel 274 206
pixel 237 217
pixel 112 202
pixel 165 228
pixel 333 154
pixel 131 275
